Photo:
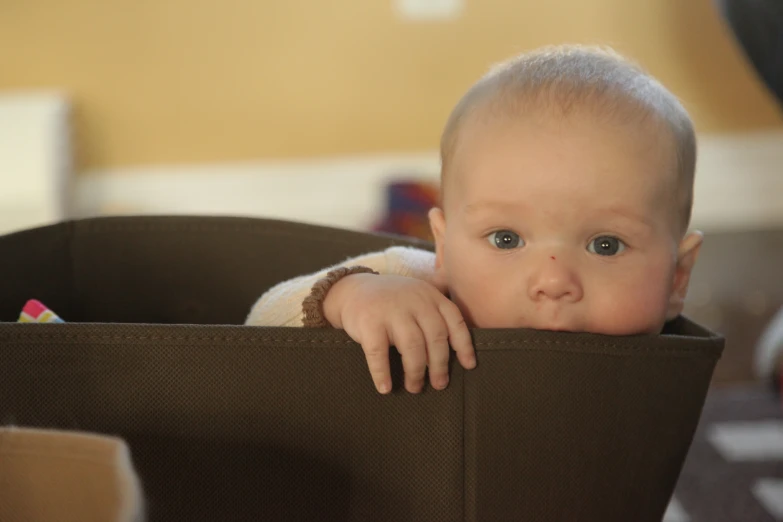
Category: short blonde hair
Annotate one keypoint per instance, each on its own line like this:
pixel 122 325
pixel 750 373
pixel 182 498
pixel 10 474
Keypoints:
pixel 568 76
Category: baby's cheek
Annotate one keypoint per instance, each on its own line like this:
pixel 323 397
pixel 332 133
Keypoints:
pixel 631 302
pixel 630 314
pixel 482 300
pixel 488 309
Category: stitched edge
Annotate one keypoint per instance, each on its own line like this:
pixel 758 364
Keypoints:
pixel 532 345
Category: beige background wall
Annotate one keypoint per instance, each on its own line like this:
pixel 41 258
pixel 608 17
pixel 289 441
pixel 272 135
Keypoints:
pixel 185 81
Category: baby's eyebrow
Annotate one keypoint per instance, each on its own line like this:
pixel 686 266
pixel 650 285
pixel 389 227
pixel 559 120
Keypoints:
pixel 474 208
pixel 627 214
pixel 487 206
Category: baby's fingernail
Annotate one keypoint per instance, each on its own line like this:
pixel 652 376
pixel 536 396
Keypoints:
pixel 441 382
pixel 383 387
pixel 471 362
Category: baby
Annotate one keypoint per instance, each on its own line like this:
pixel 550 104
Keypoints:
pixel 566 193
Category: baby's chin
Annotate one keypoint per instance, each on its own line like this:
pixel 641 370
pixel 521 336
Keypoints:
pixel 504 323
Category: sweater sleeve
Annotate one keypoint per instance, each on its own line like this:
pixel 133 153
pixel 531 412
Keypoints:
pixel 281 305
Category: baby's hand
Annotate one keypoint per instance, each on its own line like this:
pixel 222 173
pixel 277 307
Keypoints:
pixel 382 310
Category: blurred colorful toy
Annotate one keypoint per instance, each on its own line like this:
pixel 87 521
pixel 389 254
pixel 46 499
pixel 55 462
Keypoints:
pixel 407 204
pixel 36 312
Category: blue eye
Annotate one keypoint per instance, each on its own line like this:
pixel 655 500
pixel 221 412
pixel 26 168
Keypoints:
pixel 505 239
pixel 606 246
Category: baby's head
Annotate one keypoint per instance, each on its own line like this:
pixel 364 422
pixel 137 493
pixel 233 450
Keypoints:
pixel 567 184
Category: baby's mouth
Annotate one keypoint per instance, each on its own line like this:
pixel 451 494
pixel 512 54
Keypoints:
pixel 552 319
pixel 560 329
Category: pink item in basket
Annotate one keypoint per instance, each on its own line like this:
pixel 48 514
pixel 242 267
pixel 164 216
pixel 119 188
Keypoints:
pixel 36 312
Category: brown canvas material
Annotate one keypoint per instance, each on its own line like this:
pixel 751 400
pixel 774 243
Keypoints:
pixel 228 422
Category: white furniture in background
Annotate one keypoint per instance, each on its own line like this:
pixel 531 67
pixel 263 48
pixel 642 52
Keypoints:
pixel 345 192
pixel 35 159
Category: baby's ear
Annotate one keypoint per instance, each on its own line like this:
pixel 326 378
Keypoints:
pixel 687 253
pixel 438 227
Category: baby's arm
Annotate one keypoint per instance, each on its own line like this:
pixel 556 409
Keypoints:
pixel 400 303
pixel 282 304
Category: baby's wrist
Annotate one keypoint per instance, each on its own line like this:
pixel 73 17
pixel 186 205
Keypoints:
pixel 334 301
pixel 323 306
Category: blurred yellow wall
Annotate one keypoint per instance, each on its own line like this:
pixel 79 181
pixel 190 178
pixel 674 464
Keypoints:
pixel 170 81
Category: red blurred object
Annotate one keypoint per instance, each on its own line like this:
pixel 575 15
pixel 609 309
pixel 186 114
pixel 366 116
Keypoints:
pixel 407 205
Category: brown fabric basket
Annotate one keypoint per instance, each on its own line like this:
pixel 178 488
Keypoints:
pixel 234 423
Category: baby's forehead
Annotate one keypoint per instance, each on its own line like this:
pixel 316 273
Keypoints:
pixel 490 124
pixel 552 105
pixel 490 144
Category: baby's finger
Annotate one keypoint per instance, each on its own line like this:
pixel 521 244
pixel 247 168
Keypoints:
pixel 459 335
pixel 409 340
pixel 375 344
pixel 437 336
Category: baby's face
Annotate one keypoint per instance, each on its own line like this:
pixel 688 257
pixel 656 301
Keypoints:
pixel 563 224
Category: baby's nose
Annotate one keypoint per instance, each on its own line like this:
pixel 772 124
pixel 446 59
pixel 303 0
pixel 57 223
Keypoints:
pixel 556 281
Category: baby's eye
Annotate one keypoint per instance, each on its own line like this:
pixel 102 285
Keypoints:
pixel 505 239
pixel 606 246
